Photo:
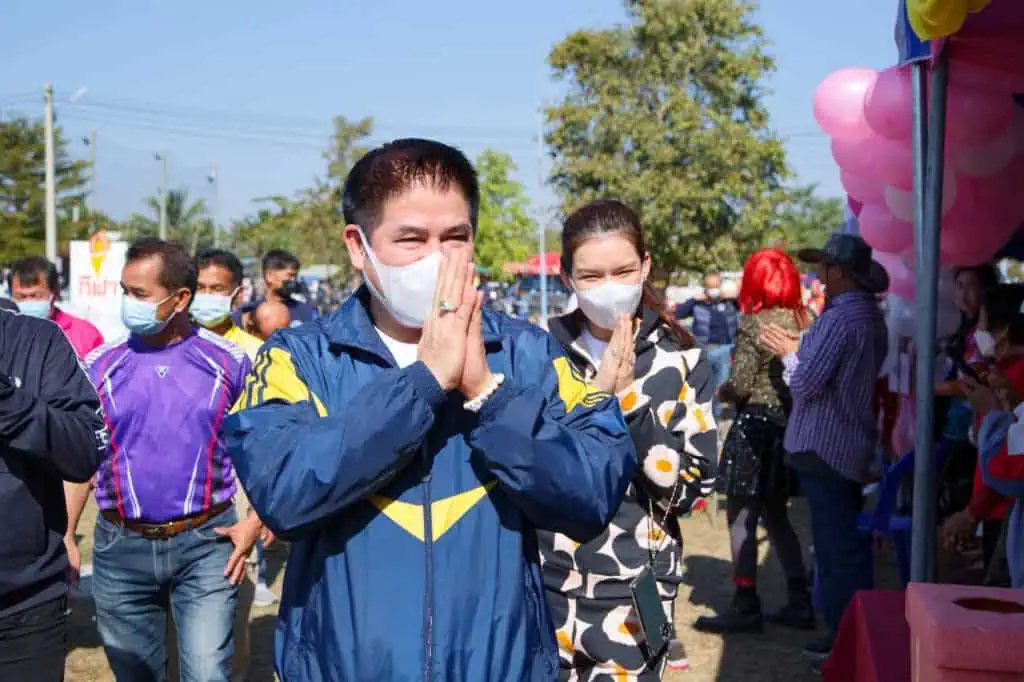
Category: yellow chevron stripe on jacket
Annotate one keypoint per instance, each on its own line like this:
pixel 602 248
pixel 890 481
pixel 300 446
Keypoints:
pixel 273 377
pixel 574 390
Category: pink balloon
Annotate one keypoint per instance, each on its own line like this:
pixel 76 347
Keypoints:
pixel 850 157
pixel 893 160
pixel 901 278
pixel 855 206
pixel 987 158
pixel 886 161
pixel 883 231
pixel 969 247
pixel 962 73
pixel 1018 130
pixel 864 188
pixel 839 102
pixel 900 202
pixel 887 107
pixel 975 115
pixel 910 258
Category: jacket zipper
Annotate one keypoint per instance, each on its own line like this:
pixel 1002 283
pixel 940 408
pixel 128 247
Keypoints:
pixel 428 544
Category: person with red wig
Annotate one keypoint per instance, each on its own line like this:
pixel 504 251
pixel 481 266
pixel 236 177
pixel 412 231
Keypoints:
pixel 752 472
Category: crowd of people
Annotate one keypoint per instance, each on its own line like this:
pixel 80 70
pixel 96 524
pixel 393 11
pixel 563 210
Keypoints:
pixel 466 496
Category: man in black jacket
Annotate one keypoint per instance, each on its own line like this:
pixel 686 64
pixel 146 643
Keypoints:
pixel 51 430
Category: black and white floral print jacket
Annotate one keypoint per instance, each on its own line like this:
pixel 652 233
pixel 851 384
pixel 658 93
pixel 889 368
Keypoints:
pixel 668 408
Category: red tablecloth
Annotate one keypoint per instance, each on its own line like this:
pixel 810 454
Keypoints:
pixel 873 643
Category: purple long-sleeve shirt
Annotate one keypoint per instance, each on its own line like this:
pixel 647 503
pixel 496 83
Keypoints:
pixel 164 410
pixel 832 378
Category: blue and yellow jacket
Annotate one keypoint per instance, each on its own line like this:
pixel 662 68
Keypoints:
pixel 413 520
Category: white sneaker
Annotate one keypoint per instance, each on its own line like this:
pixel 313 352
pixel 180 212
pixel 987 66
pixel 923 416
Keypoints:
pixel 263 596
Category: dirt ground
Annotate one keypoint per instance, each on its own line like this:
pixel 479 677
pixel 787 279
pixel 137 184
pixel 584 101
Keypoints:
pixel 773 656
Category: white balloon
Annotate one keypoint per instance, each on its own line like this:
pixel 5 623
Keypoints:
pixel 901 202
pixel 902 317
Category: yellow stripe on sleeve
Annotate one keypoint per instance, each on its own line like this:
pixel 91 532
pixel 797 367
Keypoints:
pixel 573 389
pixel 274 377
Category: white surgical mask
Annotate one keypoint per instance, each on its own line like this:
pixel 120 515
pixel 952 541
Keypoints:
pixel 985 342
pixel 141 317
pixel 407 291
pixel 714 293
pixel 35 308
pixel 604 303
pixel 210 310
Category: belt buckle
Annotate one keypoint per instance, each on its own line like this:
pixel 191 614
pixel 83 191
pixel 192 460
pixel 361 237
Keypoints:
pixel 154 532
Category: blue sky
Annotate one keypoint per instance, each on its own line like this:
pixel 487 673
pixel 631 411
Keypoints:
pixel 252 86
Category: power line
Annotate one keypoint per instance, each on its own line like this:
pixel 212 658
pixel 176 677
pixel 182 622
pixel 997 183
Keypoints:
pixel 293 125
pixel 294 142
pixel 271 123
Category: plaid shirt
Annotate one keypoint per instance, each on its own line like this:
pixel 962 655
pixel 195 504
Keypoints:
pixel 832 378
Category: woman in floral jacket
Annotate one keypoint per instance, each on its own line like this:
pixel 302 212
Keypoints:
pixel 621 340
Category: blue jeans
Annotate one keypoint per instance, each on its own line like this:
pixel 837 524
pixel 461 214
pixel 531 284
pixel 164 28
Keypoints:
pixel 135 581
pixel 843 555
pixel 720 360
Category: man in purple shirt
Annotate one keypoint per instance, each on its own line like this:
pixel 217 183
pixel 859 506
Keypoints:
pixel 832 431
pixel 168 536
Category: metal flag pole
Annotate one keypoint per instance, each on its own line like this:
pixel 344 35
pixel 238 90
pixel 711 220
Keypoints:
pixel 929 149
pixel 541 224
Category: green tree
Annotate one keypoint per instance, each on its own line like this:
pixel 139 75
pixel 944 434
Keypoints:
pixel 276 225
pixel 805 220
pixel 22 188
pixel 309 224
pixel 665 112
pixel 188 222
pixel 505 233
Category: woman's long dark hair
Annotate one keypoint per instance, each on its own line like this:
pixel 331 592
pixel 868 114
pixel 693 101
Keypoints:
pixel 607 216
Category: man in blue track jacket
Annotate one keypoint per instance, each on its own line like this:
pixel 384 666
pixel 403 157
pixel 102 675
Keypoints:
pixel 410 444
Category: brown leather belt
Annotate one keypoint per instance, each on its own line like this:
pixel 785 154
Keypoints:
pixel 168 529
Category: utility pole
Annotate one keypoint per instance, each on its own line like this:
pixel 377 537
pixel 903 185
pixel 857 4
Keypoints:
pixel 90 142
pixel 162 158
pixel 215 200
pixel 541 219
pixel 50 173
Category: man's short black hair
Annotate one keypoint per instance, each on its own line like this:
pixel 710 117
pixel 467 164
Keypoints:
pixel 280 260
pixel 224 259
pixel 391 169
pixel 31 270
pixel 178 269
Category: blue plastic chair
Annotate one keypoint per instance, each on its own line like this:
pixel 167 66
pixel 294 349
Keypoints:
pixel 882 522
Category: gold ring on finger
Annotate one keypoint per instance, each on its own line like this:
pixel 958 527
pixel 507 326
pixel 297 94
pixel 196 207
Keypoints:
pixel 444 307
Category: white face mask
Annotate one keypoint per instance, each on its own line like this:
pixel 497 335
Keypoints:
pixel 407 291
pixel 604 303
pixel 985 342
pixel 714 293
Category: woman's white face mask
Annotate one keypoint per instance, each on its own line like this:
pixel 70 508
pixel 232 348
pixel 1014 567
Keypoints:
pixel 605 303
pixel 406 291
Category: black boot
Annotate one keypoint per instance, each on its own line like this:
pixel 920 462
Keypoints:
pixel 798 613
pixel 743 616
